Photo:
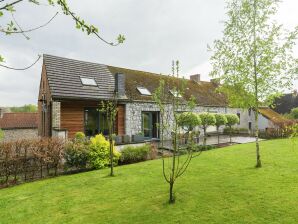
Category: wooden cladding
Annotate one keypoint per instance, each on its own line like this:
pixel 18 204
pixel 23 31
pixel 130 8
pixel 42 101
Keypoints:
pixel 72 116
pixel 120 120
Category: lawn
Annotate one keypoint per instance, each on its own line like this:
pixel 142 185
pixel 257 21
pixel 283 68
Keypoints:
pixel 220 186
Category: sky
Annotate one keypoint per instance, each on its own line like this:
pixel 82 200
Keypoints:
pixel 156 31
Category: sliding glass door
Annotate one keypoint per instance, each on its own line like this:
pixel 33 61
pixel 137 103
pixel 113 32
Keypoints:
pixel 95 122
pixel 150 121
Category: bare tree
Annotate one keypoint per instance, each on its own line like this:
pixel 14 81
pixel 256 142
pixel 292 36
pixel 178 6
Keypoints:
pixel 171 101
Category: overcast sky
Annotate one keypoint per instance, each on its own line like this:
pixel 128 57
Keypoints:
pixel 156 31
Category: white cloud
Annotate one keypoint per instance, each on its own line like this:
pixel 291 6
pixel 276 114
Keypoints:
pixel 157 32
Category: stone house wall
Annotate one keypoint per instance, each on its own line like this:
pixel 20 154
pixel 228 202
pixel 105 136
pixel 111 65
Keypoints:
pixel 133 115
pixel 16 134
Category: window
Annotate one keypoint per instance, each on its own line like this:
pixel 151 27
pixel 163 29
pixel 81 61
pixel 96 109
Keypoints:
pixel 175 93
pixel 95 122
pixel 249 126
pixel 88 81
pixel 249 112
pixel 238 114
pixel 144 91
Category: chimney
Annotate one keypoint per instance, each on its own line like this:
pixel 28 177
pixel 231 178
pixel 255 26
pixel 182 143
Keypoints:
pixel 196 77
pixel 120 85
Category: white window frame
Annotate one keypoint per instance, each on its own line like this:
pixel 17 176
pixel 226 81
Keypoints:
pixel 144 91
pixel 87 81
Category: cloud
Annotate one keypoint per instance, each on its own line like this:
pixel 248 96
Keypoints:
pixel 157 31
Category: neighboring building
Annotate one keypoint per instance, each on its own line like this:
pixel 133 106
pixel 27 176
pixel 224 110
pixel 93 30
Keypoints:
pixel 270 119
pixel 286 103
pixel 19 125
pixel 71 90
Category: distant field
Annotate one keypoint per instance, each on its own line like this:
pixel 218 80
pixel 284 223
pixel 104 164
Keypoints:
pixel 221 186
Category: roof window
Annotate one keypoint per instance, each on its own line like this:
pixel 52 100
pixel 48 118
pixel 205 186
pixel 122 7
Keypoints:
pixel 144 91
pixel 88 81
pixel 175 93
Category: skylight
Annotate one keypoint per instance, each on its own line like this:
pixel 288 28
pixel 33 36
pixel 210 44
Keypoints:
pixel 144 91
pixel 175 93
pixel 88 81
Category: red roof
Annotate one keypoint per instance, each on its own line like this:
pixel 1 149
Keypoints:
pixel 18 120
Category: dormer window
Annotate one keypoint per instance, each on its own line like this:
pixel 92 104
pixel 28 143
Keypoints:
pixel 88 81
pixel 175 93
pixel 144 91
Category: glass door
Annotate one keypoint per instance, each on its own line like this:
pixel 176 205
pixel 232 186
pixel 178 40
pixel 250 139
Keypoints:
pixel 149 124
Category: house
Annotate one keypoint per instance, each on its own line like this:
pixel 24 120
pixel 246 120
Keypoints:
pixel 71 90
pixel 271 120
pixel 19 125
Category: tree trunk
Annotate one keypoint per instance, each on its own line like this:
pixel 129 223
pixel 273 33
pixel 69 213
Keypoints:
pixel 259 163
pixel 205 137
pixel 171 199
pixel 111 157
pixel 230 134
pixel 217 128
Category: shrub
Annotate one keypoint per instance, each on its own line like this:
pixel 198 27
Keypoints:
pixel 80 136
pixel 131 154
pixel 294 113
pixel 28 159
pixel 77 154
pixel 205 147
pixel 1 134
pixel 99 152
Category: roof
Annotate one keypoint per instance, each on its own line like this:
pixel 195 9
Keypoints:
pixel 204 92
pixel 19 120
pixel 64 81
pixel 64 78
pixel 273 116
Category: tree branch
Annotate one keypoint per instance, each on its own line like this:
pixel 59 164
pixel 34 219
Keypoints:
pixel 90 29
pixel 10 4
pixel 29 30
pixel 21 69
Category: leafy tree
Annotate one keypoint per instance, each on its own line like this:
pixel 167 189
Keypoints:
pixel 254 60
pixel 220 121
pixel 294 113
pixel 207 120
pixel 188 121
pixel 25 108
pixel 13 26
pixel 232 119
pixel 171 123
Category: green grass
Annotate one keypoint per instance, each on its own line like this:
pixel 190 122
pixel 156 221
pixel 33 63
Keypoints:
pixel 221 186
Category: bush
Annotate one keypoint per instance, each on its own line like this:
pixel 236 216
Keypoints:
pixel 77 152
pixel 100 151
pixel 30 159
pixel 80 136
pixel 205 147
pixel 131 154
pixel 1 134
